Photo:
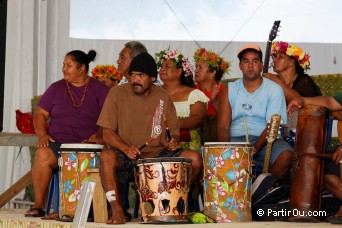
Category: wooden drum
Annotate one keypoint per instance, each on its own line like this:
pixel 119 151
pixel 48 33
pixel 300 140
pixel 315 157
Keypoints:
pixel 74 161
pixel 307 170
pixel 163 185
pixel 227 181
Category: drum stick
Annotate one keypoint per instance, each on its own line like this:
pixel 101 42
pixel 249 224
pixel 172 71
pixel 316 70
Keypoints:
pixel 246 131
pixel 167 127
pixel 148 142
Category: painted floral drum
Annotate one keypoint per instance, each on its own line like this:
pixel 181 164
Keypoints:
pixel 74 161
pixel 227 181
pixel 164 184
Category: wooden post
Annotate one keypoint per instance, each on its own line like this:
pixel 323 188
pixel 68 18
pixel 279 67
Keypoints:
pixel 18 139
pixel 99 198
pixel 15 188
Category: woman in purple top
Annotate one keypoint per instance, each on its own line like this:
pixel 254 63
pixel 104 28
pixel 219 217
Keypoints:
pixel 72 106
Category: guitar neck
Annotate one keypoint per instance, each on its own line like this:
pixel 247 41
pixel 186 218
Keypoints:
pixel 266 166
pixel 267 56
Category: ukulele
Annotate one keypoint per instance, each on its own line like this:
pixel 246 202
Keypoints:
pixel 271 37
pixel 272 135
pixel 263 187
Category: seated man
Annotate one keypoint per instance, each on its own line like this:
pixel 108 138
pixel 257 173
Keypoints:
pixel 253 99
pixel 129 113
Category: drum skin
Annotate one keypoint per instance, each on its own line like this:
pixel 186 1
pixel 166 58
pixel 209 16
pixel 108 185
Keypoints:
pixel 227 181
pixel 306 183
pixel 74 161
pixel 163 185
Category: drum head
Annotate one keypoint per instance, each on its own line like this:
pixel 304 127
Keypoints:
pixel 238 144
pixel 164 160
pixel 84 147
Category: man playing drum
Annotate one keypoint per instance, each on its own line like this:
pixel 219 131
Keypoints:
pixel 128 115
pixel 254 99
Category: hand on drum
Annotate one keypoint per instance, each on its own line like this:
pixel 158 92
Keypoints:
pixel 337 156
pixel 133 152
pixel 171 145
pixel 294 105
pixel 43 141
pixel 94 139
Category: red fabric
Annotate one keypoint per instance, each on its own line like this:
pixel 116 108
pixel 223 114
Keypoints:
pixel 24 122
pixel 211 110
pixel 184 135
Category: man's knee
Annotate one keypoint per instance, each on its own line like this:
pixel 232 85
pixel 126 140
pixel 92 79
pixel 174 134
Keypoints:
pixel 196 157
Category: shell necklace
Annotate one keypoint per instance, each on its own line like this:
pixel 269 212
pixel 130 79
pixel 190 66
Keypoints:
pixel 72 97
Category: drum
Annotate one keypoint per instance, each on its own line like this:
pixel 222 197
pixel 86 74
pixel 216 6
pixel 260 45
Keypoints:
pixel 164 184
pixel 306 183
pixel 74 161
pixel 227 181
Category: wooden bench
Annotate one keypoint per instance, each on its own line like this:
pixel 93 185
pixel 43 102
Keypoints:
pixel 16 139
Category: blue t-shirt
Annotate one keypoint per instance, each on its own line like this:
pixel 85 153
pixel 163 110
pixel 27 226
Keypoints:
pixel 67 123
pixel 256 107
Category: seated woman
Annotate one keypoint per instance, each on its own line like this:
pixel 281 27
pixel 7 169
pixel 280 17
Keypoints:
pixel 176 73
pixel 107 74
pixel 72 105
pixel 210 68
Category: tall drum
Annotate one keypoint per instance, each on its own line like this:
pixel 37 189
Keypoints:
pixel 163 185
pixel 307 170
pixel 227 181
pixel 74 161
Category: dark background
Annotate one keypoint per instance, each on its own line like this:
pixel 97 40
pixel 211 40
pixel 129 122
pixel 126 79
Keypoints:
pixel 3 19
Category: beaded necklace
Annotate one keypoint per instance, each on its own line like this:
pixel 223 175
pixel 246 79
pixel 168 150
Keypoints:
pixel 84 94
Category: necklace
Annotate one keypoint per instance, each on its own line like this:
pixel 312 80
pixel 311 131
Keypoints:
pixel 84 94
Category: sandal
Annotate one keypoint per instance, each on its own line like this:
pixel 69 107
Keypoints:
pixel 40 211
pixel 51 216
pixel 335 219
pixel 66 218
pixel 127 215
pixel 70 218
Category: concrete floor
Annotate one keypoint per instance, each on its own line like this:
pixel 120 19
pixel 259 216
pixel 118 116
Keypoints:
pixel 15 218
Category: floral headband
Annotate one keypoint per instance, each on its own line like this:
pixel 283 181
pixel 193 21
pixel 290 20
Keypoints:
pixel 293 51
pixel 107 70
pixel 212 59
pixel 178 58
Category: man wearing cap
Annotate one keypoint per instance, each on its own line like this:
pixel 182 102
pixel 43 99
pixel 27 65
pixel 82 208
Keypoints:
pixel 254 99
pixel 130 113
pixel 131 49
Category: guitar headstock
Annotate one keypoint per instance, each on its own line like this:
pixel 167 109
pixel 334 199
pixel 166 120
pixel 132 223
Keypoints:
pixel 274 31
pixel 273 127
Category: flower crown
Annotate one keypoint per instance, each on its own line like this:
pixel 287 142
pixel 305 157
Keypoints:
pixel 178 58
pixel 293 51
pixel 107 70
pixel 212 59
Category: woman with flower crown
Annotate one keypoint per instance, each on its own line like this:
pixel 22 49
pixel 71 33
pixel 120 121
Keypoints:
pixel 72 106
pixel 176 73
pixel 290 62
pixel 210 68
